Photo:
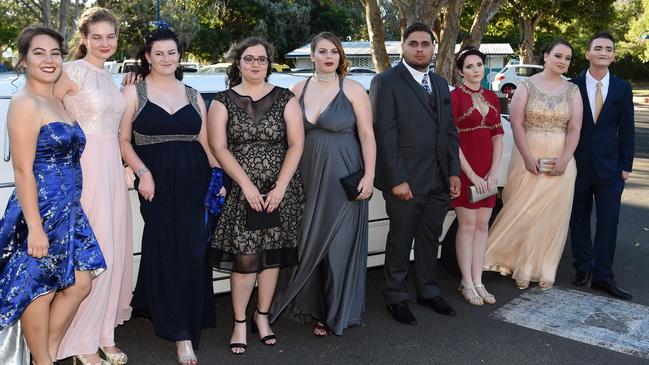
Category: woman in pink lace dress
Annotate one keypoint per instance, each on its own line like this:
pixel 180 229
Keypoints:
pixel 91 97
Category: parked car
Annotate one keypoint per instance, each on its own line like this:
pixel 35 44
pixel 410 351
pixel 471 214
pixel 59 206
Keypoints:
pixel 361 70
pixel 507 78
pixel 220 67
pixel 208 84
pixel 280 67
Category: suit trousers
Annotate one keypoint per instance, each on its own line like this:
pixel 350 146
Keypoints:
pixel 596 256
pixel 420 218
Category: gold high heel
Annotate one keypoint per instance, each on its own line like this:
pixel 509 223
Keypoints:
pixel 522 284
pixel 470 295
pixel 114 358
pixel 545 285
pixel 486 297
pixel 85 361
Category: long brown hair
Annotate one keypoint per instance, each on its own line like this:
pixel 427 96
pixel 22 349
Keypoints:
pixel 24 41
pixel 91 16
pixel 343 64
pixel 234 55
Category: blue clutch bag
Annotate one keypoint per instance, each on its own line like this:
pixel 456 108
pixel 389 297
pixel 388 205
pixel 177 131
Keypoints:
pixel 213 201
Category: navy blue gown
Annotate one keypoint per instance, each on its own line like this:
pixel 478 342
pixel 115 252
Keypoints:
pixel 73 245
pixel 174 286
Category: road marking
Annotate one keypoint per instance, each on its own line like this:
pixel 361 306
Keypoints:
pixel 596 320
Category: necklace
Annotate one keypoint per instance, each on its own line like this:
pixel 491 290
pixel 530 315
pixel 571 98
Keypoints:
pixel 325 77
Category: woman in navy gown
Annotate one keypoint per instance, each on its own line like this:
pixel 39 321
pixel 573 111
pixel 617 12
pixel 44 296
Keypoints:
pixel 49 253
pixel 163 138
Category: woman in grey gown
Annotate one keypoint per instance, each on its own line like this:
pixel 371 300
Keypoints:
pixel 328 286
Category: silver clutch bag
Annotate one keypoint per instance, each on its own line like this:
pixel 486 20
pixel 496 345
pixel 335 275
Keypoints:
pixel 546 164
pixel 475 196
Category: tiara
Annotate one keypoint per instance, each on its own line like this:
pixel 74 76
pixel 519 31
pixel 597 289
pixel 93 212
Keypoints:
pixel 467 50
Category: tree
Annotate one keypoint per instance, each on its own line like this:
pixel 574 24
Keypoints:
pixel 420 10
pixel 448 35
pixel 488 9
pixel 377 35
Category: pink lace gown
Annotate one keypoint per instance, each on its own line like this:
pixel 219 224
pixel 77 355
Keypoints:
pixel 98 108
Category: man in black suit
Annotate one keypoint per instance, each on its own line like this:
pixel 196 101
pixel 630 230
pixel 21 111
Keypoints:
pixel 417 166
pixel 604 159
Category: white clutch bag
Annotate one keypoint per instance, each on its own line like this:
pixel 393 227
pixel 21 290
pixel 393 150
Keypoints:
pixel 475 196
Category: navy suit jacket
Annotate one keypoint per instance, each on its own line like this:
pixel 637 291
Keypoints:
pixel 606 148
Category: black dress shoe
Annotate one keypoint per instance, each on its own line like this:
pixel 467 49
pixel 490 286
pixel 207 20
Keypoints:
pixel 438 304
pixel 610 286
pixel 401 312
pixel 581 278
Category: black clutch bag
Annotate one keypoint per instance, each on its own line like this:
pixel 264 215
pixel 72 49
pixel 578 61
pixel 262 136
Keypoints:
pixel 261 220
pixel 350 184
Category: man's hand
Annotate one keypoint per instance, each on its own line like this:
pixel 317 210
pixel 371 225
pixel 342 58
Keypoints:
pixel 625 175
pixel 402 191
pixel 455 185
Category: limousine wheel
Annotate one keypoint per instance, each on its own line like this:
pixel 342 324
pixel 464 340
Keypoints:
pixel 449 258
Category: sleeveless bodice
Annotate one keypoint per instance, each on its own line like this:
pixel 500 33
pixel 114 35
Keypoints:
pixel 98 106
pixel 548 112
pixel 338 116
pixel 57 160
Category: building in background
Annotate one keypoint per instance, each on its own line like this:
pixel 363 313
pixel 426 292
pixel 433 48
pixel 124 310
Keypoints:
pixel 360 55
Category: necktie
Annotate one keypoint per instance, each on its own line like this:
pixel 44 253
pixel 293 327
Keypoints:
pixel 599 99
pixel 424 83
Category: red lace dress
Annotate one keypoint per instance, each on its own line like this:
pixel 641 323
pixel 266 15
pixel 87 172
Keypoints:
pixel 477 118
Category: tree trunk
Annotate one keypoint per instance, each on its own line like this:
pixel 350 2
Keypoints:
pixel 46 13
pixel 488 9
pixel 420 10
pixel 527 28
pixel 62 19
pixel 450 28
pixel 377 35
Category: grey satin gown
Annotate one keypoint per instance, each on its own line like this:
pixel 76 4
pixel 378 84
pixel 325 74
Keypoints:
pixel 329 283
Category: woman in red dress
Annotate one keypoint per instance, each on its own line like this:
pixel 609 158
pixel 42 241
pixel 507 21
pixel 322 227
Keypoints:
pixel 477 118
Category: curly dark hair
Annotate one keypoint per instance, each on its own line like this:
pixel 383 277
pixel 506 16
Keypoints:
pixel 159 34
pixel 234 55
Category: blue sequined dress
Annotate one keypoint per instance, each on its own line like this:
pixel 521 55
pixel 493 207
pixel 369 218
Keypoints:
pixel 73 246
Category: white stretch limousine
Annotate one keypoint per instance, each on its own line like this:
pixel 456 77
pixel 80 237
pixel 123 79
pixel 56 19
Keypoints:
pixel 208 85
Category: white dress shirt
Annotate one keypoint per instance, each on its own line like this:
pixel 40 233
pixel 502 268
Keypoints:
pixel 591 87
pixel 418 75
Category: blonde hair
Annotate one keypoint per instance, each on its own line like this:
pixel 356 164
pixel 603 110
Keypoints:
pixel 91 16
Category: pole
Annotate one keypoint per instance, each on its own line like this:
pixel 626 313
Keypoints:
pixel 157 11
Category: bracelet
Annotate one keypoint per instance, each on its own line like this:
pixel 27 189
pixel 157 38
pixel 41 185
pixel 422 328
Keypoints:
pixel 141 171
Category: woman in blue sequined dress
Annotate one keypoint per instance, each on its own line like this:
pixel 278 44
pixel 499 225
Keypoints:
pixel 49 253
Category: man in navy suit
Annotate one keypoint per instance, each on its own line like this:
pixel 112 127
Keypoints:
pixel 604 159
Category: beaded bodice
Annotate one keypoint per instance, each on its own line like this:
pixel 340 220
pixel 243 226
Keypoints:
pixel 98 106
pixel 546 112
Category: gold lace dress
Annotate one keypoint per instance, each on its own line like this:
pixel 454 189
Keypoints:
pixel 528 236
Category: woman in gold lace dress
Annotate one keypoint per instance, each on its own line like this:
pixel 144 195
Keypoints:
pixel 529 234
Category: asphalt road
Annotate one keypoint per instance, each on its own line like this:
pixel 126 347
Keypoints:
pixel 473 337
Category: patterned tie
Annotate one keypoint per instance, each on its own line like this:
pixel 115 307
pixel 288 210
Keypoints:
pixel 599 99
pixel 424 83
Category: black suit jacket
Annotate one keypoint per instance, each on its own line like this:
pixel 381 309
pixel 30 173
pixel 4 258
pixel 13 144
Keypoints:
pixel 606 148
pixel 411 136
